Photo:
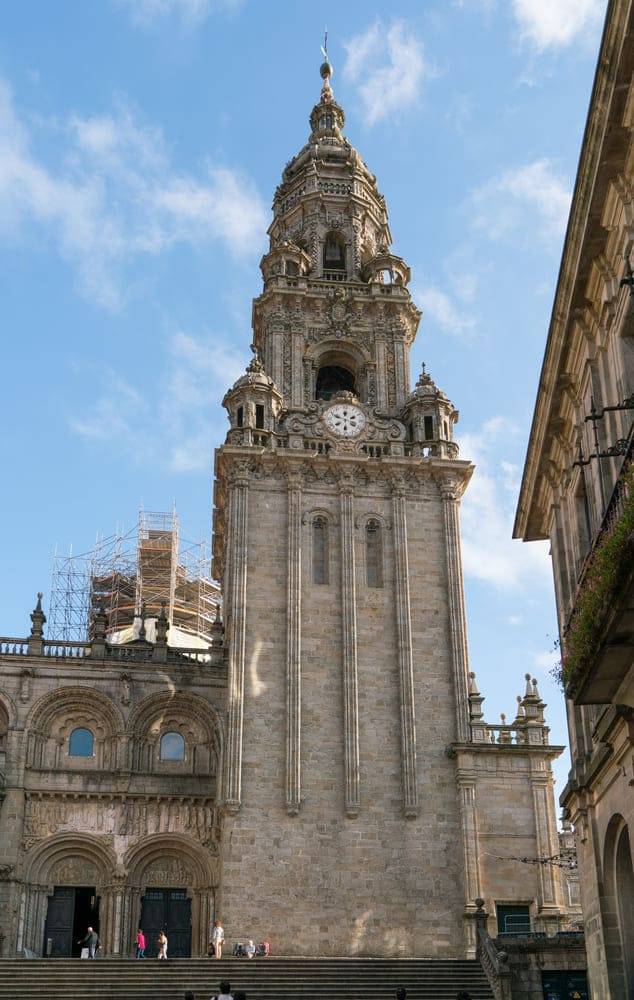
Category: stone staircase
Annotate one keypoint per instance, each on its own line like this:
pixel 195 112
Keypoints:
pixel 260 979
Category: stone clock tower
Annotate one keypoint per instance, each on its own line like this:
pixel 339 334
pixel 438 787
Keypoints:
pixel 337 542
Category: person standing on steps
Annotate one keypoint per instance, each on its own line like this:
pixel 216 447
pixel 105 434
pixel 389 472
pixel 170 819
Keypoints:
pixel 162 945
pixel 91 941
pixel 217 938
pixel 140 944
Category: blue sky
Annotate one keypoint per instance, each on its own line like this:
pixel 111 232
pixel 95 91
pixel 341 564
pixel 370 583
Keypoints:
pixel 140 145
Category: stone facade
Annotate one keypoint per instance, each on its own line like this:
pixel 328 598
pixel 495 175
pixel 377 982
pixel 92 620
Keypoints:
pixel 356 774
pixel 120 820
pixel 333 769
pixel 577 491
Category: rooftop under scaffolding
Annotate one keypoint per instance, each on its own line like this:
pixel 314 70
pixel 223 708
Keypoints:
pixel 132 575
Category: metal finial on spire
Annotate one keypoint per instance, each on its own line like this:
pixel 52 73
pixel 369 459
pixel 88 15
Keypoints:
pixel 326 70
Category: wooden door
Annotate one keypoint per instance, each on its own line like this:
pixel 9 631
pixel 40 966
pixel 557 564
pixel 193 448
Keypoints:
pixel 60 916
pixel 167 910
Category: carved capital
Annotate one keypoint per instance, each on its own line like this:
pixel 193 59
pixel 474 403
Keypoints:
pixel 398 486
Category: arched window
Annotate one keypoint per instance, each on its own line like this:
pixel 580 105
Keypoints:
pixel 332 379
pixel 81 743
pixel 320 550
pixel 373 554
pixel 334 253
pixel 4 727
pixel 172 746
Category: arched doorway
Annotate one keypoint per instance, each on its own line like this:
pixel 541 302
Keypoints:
pixel 171 888
pixel 618 907
pixel 624 877
pixel 65 893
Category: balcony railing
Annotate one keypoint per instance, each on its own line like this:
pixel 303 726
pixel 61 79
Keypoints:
pixel 603 576
pixel 613 512
pixel 125 653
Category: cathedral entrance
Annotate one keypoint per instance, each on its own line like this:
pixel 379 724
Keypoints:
pixel 71 910
pixel 167 910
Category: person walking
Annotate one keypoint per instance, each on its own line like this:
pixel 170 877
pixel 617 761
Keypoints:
pixel 218 938
pixel 162 945
pixel 140 944
pixel 91 941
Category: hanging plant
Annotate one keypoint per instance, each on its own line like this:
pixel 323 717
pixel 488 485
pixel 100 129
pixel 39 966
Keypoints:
pixel 609 567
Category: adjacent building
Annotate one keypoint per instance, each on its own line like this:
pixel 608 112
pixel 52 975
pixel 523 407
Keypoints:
pixel 577 492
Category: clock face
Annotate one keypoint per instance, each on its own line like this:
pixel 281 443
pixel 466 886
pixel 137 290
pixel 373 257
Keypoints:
pixel 344 420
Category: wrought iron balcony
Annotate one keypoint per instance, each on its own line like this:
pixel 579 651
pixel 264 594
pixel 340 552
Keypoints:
pixel 598 636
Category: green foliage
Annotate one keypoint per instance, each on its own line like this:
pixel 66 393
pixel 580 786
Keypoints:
pixel 610 564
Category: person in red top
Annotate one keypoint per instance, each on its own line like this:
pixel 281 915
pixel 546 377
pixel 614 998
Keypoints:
pixel 140 944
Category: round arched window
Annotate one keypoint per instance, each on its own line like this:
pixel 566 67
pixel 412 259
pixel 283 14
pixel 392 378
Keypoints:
pixel 81 743
pixel 172 746
pixel 332 379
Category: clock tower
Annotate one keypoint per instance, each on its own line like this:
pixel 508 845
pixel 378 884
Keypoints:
pixel 336 538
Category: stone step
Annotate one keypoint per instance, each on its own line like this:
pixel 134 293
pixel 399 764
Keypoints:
pixel 263 979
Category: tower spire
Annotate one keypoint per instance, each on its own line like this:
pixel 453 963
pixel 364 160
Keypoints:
pixel 327 118
pixel 326 71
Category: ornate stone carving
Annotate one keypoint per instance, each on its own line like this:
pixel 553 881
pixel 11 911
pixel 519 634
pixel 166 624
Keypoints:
pixel 73 871
pixel 167 871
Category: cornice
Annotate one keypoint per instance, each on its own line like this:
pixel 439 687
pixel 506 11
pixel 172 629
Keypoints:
pixel 604 140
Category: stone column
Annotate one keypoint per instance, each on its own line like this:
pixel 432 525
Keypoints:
pixel 450 492
pixel 118 892
pixel 236 633
pixel 349 647
pixel 405 658
pixel 293 647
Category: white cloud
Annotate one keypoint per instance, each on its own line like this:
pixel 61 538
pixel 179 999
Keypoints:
pixel 388 68
pixel 557 23
pixel 525 203
pixel 179 428
pixel 443 310
pixel 114 196
pixel 115 415
pixel 514 620
pixel 547 24
pixel 189 12
pixel 489 552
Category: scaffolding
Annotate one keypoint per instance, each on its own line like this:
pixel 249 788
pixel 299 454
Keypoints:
pixel 131 574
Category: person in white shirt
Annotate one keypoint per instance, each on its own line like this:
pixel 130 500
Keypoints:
pixel 218 938
pixel 250 949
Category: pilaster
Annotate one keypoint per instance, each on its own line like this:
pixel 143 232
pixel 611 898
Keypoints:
pixel 349 648
pixel 236 631
pixel 451 491
pixel 405 659
pixel 293 647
